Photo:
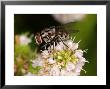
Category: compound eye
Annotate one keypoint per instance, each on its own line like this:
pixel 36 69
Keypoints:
pixel 42 33
pixel 49 33
pixel 38 39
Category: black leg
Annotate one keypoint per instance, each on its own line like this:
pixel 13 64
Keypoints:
pixel 63 42
pixel 53 49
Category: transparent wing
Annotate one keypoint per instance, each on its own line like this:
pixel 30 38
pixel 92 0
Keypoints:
pixel 66 29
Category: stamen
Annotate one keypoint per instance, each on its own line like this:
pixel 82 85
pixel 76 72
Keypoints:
pixel 79 41
pixel 85 50
pixel 84 71
pixel 87 61
pixel 74 38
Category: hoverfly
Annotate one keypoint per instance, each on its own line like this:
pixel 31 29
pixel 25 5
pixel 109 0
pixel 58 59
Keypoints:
pixel 51 36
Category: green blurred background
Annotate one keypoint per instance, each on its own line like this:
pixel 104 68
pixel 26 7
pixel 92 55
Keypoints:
pixel 31 23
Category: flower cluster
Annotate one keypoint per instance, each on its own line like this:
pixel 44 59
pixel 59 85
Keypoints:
pixel 62 60
pixel 23 54
pixel 67 18
pixel 24 40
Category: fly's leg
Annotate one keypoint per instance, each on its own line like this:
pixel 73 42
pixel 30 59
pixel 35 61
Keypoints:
pixel 53 49
pixel 49 47
pixel 44 47
pixel 63 42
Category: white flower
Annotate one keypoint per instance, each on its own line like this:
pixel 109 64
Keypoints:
pixel 78 53
pixel 63 72
pixel 66 18
pixel 70 66
pixel 83 59
pixel 57 66
pixel 79 66
pixel 51 61
pixel 45 54
pixel 75 46
pixel 60 46
pixel 24 40
pixel 71 45
pixel 54 71
pixel 37 63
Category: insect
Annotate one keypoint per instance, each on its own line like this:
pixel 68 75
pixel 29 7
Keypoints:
pixel 51 36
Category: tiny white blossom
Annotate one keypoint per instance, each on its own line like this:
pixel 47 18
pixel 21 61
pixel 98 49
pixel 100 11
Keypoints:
pixel 78 69
pixel 70 66
pixel 75 46
pixel 45 54
pixel 24 40
pixel 63 72
pixel 83 59
pixel 78 53
pixel 55 71
pixel 70 44
pixel 66 18
pixel 51 61
pixel 38 62
pixel 79 66
pixel 59 47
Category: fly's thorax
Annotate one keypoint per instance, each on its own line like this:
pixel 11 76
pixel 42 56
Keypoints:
pixel 48 34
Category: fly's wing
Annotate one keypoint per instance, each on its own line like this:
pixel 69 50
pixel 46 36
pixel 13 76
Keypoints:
pixel 67 29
